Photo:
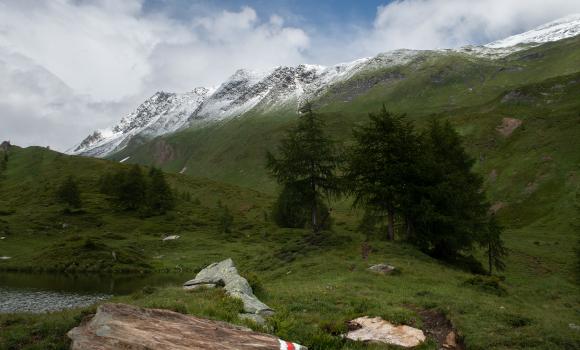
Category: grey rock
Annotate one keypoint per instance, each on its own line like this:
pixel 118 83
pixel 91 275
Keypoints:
pixel 382 268
pixel 225 274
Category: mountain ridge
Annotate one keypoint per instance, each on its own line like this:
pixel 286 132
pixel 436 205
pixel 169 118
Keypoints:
pixel 283 87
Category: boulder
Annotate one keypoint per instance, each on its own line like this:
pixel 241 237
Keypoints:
pixel 120 326
pixel 377 330
pixel 224 274
pixel 382 268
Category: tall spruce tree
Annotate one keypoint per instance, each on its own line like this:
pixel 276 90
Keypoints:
pixel 307 161
pixel 68 193
pixel 450 215
pixel 382 165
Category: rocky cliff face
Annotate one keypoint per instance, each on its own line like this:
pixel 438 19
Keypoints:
pixel 286 88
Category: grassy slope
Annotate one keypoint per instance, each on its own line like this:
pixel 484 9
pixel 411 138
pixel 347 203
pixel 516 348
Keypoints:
pixel 541 298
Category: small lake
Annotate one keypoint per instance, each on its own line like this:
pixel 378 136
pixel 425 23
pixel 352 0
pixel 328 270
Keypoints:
pixel 42 292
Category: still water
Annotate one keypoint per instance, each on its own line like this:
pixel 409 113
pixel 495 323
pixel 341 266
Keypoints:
pixel 32 292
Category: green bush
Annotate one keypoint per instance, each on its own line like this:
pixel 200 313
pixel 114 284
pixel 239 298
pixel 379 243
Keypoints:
pixel 489 284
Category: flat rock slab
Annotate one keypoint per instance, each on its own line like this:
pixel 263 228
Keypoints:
pixel 377 330
pixel 224 274
pixel 120 326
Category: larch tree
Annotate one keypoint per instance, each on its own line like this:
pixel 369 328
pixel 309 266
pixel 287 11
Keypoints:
pixel 307 161
pixel 382 165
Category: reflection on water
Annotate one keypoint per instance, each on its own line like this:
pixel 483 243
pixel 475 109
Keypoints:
pixel 32 292
pixel 37 301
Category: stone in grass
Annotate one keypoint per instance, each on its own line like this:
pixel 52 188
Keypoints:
pixel 225 274
pixel 171 238
pixel 376 330
pixel 382 269
pixel 5 257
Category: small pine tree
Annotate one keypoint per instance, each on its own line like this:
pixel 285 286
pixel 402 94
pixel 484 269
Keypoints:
pixel 225 218
pixel 68 193
pixel 495 249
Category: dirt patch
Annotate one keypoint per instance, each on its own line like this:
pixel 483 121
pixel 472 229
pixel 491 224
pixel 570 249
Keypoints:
pixel 163 152
pixel 439 328
pixel 508 125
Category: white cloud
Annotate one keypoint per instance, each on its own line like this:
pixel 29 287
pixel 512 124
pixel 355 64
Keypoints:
pixel 70 66
pixel 422 24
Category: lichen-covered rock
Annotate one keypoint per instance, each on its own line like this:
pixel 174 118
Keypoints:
pixel 120 326
pixel 225 274
pixel 377 330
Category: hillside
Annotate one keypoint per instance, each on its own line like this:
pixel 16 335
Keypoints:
pixel 37 229
pixel 531 309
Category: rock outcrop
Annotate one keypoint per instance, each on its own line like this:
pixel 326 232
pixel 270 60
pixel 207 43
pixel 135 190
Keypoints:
pixel 377 330
pixel 120 326
pixel 224 274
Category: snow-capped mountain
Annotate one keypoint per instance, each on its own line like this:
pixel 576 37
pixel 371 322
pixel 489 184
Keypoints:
pixel 162 113
pixel 281 87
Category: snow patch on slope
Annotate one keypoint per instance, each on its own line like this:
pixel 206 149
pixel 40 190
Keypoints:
pixel 562 28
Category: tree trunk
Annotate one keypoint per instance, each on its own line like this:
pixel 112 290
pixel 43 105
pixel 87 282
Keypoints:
pixel 410 231
pixel 391 224
pixel 314 209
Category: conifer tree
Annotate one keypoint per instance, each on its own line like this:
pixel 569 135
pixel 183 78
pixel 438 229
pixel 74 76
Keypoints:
pixel 450 215
pixel 131 188
pixel 495 250
pixel 382 165
pixel 307 160
pixel 225 218
pixel 68 193
pixel 159 195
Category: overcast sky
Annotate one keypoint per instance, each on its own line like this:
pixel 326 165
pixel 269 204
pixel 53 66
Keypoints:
pixel 68 67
